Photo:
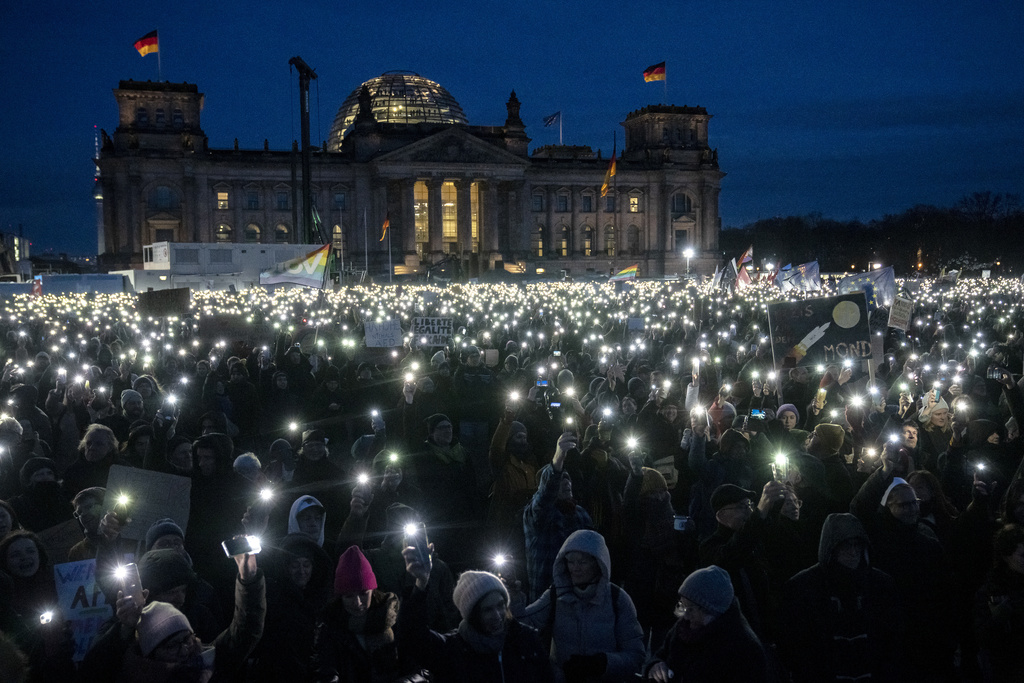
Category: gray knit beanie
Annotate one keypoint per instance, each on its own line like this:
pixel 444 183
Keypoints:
pixel 709 588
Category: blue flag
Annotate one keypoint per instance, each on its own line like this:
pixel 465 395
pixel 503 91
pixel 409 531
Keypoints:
pixel 804 277
pixel 879 285
pixel 553 119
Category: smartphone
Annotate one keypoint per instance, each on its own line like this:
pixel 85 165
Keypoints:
pixel 416 536
pixel 131 583
pixel 556 353
pixel 241 545
pixel 938 394
pixel 555 404
pixel 542 383
pixel 45 618
pixel 780 469
pixel 120 509
pixel 994 372
pixel 756 414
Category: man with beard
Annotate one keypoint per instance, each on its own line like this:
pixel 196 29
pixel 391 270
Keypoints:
pixel 41 504
pixel 711 640
pixel 132 409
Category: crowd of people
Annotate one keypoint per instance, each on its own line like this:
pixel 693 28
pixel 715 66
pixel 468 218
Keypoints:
pixel 582 483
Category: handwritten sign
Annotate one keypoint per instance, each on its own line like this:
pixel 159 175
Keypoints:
pixel 827 330
pixel 383 335
pixel 900 312
pixel 80 601
pixel 151 496
pixel 437 331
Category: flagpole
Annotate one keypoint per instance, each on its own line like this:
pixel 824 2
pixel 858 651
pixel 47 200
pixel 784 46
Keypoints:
pixel 159 68
pixel 391 265
pixel 559 129
pixel 615 193
pixel 366 246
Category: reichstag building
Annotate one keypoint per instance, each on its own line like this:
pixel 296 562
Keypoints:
pixel 401 149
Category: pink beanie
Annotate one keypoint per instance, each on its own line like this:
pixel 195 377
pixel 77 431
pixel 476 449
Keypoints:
pixel 353 574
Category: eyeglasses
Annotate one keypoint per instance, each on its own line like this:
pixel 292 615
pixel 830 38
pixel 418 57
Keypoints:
pixel 684 609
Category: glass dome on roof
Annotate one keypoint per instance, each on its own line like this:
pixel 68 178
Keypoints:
pixel 398 97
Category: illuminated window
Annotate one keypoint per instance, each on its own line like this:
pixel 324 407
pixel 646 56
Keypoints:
pixel 562 202
pixel 474 215
pixel 634 205
pixel 338 238
pixel 563 247
pixel 538 201
pixel 587 203
pixel 421 213
pixel 252 200
pixel 252 233
pixel 449 215
pixel 538 241
pixel 609 241
pixel 588 241
pixel 223 232
pixel 281 199
pixel 281 232
pixel 222 201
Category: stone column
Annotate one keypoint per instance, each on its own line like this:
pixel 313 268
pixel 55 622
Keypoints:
pixel 435 214
pixel 408 219
pixel 464 219
pixel 553 230
pixel 489 233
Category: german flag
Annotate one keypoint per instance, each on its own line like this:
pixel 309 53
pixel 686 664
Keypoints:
pixel 609 174
pixel 654 73
pixel 387 224
pixel 148 43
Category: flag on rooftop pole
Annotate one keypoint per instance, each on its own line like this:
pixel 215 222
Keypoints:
pixel 609 174
pixel 387 224
pixel 552 120
pixel 309 270
pixel 148 43
pixel 625 274
pixel 655 72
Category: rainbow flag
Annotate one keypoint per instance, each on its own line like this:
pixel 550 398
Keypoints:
pixel 148 43
pixel 626 274
pixel 654 73
pixel 309 270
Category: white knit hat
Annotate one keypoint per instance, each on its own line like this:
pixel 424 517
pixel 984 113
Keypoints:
pixel 472 587
pixel 159 621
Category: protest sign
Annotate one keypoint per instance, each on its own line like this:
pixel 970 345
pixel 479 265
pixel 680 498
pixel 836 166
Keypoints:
pixel 151 496
pixel 80 601
pixel 165 302
pixel 635 324
pixel 490 357
pixel 437 331
pixel 900 312
pixel 235 328
pixel 815 331
pixel 384 334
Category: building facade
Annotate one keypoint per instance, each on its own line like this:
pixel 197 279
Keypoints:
pixel 402 151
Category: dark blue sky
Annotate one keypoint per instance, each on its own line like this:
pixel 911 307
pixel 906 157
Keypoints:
pixel 851 111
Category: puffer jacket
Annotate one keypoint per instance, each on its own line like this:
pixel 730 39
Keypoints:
pixel 589 626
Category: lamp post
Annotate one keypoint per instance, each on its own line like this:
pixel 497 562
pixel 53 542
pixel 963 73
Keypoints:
pixel 688 253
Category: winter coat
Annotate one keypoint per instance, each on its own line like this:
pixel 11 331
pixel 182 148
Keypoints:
pixel 589 625
pixel 369 655
pixel 451 659
pixel 999 624
pixel 724 651
pixel 841 624
pixel 546 527
pixel 515 480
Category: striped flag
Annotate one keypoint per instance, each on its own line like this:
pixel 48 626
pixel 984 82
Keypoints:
pixel 625 274
pixel 609 174
pixel 387 224
pixel 148 43
pixel 654 73
pixel 309 270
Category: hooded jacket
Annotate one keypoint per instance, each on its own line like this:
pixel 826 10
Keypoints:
pixel 304 503
pixel 589 624
pixel 841 624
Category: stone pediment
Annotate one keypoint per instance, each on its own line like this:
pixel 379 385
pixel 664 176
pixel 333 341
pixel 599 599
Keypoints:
pixel 450 147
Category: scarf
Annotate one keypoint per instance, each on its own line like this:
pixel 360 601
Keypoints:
pixel 567 506
pixel 481 642
pixel 450 455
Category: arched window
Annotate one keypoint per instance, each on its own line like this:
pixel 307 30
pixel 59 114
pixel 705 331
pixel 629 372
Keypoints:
pixel 252 233
pixel 563 243
pixel 163 198
pixel 338 238
pixel 538 241
pixel 223 232
pixel 609 241
pixel 681 203
pixel 588 241
pixel 281 232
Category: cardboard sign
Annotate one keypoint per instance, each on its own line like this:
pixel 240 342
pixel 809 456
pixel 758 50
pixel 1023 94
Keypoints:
pixel 900 312
pixel 635 324
pixel 437 331
pixel 80 601
pixel 166 302
pixel 151 496
pixel 490 357
pixel 812 331
pixel 383 335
